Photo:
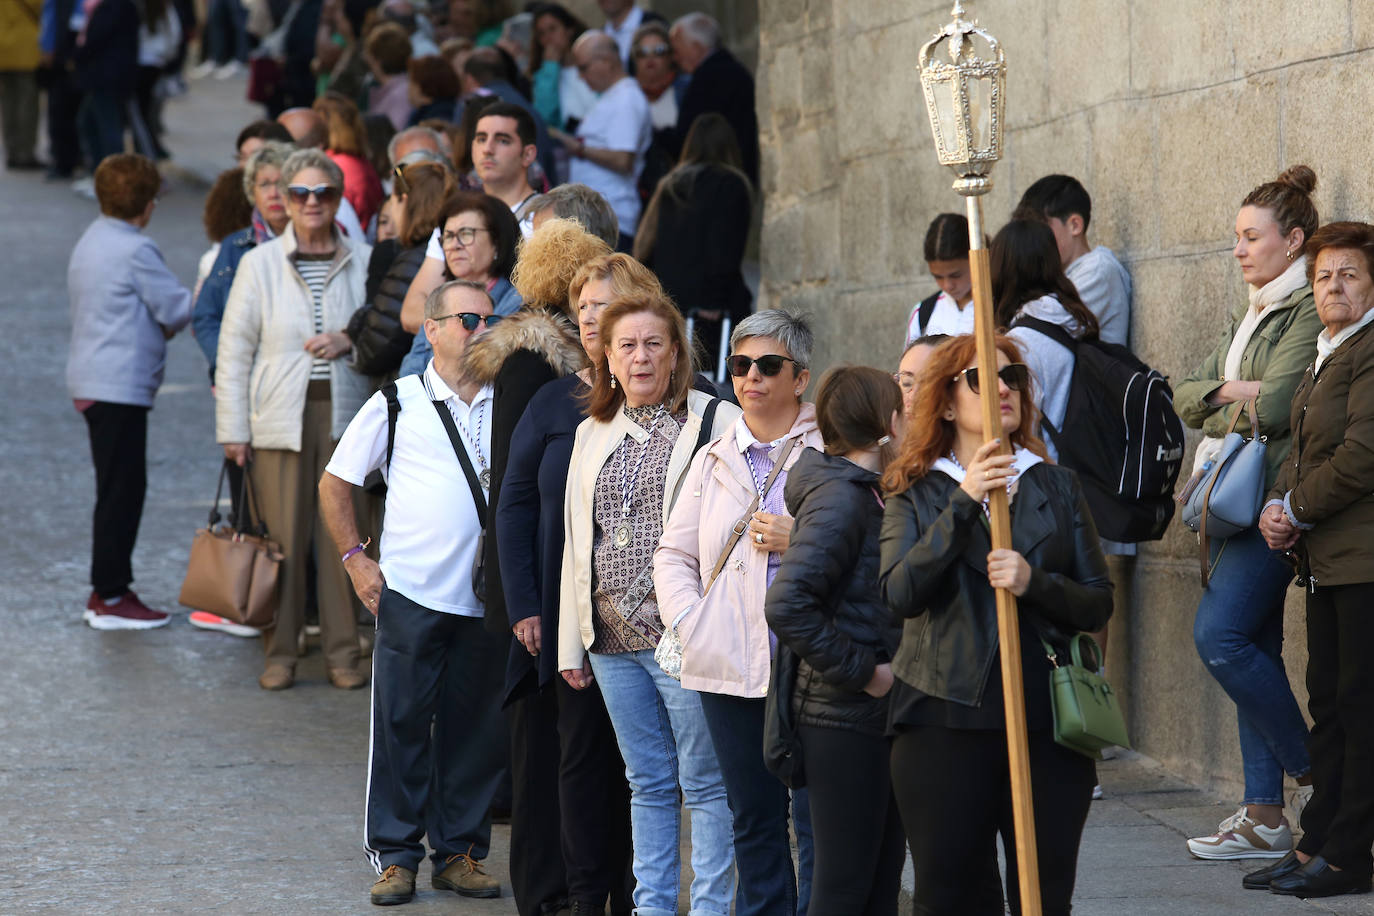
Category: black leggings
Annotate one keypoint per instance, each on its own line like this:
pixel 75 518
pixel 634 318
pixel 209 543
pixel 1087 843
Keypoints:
pixel 954 791
pixel 858 834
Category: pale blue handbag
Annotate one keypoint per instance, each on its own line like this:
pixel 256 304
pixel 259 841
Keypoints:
pixel 1227 499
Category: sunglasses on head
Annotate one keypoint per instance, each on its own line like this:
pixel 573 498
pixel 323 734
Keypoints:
pixel 769 365
pixel 654 51
pixel 1015 375
pixel 470 320
pixel 324 193
pixel 398 176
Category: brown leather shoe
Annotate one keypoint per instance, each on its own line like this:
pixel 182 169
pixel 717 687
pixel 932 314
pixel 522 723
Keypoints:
pixel 396 885
pixel 464 875
pixel 347 678
pixel 276 677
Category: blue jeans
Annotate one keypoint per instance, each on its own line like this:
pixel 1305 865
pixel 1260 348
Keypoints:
pixel 1239 635
pixel 806 847
pixel 662 736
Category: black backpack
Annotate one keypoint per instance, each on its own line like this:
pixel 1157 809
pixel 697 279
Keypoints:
pixel 1120 433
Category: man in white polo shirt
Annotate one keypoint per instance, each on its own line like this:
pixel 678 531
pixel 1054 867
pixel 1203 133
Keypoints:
pixel 434 664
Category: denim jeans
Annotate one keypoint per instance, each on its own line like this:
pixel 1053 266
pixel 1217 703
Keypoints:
pixel 662 736
pixel 1239 635
pixel 806 847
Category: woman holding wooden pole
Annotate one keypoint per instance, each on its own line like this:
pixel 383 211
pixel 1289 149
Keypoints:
pixel 938 571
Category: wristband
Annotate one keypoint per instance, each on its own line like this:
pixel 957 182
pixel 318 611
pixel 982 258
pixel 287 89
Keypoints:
pixel 355 550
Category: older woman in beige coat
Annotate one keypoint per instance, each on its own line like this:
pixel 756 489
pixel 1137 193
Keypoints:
pixel 285 393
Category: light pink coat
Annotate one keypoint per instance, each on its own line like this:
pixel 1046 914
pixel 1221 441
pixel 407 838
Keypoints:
pixel 725 644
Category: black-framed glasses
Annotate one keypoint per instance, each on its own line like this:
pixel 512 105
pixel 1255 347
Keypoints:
pixel 1015 375
pixel 769 365
pixel 653 51
pixel 324 193
pixel 470 320
pixel 464 236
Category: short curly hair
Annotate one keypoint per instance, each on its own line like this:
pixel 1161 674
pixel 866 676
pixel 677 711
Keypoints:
pixel 550 259
pixel 125 183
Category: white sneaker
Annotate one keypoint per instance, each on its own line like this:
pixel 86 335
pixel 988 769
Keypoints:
pixel 1097 792
pixel 1297 802
pixel 1240 837
pixel 203 69
pixel 206 621
pixel 85 187
pixel 228 71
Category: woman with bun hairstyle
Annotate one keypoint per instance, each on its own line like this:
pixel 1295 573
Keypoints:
pixel 1268 344
pixel 826 607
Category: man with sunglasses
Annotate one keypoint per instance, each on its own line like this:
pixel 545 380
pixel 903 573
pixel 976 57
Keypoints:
pixel 438 734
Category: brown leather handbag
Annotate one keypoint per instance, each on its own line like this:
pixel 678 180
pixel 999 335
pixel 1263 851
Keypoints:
pixel 233 567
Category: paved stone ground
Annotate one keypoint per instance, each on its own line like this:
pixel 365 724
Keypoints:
pixel 147 773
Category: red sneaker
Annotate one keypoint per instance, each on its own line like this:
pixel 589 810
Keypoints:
pixel 128 613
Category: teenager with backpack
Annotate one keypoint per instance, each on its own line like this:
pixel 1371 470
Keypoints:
pixel 949 310
pixel 1268 345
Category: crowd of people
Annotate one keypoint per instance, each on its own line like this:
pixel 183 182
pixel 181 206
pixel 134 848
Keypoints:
pixel 600 582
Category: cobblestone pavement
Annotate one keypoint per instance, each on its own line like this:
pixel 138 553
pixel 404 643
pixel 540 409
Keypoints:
pixel 147 773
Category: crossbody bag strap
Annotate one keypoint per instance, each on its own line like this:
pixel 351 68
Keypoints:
pixel 742 525
pixel 1204 546
pixel 458 449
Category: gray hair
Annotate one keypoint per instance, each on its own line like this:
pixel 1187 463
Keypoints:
pixel 399 138
pixel 303 159
pixel 791 329
pixel 700 28
pixel 582 204
pixel 272 153
pixel 434 303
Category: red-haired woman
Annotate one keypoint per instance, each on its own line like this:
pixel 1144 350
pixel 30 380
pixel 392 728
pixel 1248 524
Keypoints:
pixel 347 147
pixel 938 571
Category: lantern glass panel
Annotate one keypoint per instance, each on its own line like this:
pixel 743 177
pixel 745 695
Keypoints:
pixel 980 112
pixel 946 94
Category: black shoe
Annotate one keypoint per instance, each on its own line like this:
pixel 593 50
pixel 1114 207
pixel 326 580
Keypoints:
pixel 1259 880
pixel 28 164
pixel 1318 879
pixel 584 908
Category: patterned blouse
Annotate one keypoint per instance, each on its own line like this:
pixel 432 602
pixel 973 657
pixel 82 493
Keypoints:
pixel 623 546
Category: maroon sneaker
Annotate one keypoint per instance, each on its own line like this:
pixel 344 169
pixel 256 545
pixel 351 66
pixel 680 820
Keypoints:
pixel 127 614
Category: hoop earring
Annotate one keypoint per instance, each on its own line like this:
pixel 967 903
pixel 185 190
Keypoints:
pixel 1291 254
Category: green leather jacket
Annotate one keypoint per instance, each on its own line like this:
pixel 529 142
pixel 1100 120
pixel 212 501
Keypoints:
pixel 1282 347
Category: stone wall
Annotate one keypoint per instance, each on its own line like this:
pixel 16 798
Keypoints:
pixel 1169 112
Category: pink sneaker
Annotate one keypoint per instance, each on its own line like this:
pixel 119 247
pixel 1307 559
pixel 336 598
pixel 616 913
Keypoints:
pixel 206 621
pixel 128 613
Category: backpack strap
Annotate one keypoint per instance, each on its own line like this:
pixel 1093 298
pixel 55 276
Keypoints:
pixel 924 311
pixel 461 451
pixel 1051 330
pixel 708 423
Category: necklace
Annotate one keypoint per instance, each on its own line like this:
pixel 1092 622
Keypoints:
pixel 623 535
pixel 754 471
pixel 475 441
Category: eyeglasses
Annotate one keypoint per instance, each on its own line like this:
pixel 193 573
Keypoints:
pixel 464 236
pixel 905 380
pixel 324 193
pixel 1015 375
pixel 471 320
pixel 655 51
pixel 769 365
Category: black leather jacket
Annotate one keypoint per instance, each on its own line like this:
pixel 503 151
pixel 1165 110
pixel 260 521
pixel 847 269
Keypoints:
pixel 934 574
pixel 824 602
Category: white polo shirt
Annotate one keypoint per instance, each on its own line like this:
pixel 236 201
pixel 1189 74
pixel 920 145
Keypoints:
pixel 429 536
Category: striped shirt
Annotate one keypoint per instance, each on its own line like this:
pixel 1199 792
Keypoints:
pixel 314 268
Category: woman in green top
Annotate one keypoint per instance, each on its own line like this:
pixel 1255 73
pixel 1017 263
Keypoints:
pixel 1239 625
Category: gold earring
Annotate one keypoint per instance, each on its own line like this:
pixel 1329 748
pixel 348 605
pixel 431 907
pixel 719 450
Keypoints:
pixel 1290 254
pixel 612 382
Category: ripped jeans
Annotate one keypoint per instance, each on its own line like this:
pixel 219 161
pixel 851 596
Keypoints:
pixel 1239 636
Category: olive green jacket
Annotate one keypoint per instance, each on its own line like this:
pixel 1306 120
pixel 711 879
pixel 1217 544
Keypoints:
pixel 1282 347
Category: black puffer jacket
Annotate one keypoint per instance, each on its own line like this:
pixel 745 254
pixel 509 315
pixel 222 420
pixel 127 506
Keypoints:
pixel 825 603
pixel 379 341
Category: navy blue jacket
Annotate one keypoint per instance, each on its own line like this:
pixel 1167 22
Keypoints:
pixel 723 84
pixel 108 60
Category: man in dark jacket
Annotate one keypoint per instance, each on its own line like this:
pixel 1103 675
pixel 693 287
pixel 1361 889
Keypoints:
pixel 719 83
pixel 106 57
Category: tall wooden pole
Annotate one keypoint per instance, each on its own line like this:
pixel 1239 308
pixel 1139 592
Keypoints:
pixel 1008 631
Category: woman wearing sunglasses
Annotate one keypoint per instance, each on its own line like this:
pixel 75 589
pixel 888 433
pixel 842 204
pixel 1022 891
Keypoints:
pixel 284 395
pixel 736 485
pixel 938 571
pixel 478 235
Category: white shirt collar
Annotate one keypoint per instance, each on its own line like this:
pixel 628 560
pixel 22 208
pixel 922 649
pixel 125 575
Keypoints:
pixel 1024 461
pixel 1326 344
pixel 744 438
pixel 443 392
pixel 626 30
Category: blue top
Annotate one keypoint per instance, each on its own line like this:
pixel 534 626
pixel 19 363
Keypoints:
pixel 505 301
pixel 124 301
pixel 214 293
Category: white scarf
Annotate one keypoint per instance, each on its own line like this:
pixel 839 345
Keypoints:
pixel 1261 297
pixel 1022 461
pixel 1328 344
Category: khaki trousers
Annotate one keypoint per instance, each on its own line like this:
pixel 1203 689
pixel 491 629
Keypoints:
pixel 285 487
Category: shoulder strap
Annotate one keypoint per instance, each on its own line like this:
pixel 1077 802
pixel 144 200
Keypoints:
pixel 447 419
pixel 1051 330
pixel 708 422
pixel 925 310
pixel 393 410
pixel 742 525
pixel 1204 544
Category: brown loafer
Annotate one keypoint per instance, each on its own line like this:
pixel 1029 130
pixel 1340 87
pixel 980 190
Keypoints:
pixel 347 678
pixel 276 677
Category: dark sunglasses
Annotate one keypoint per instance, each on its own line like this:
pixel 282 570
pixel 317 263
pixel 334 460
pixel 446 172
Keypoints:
pixel 324 193
pixel 769 365
pixel 655 51
pixel 1015 375
pixel 471 320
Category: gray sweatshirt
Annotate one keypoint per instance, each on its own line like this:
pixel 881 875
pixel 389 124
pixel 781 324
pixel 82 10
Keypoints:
pixel 122 297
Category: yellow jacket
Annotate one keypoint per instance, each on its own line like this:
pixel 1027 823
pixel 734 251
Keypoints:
pixel 19 34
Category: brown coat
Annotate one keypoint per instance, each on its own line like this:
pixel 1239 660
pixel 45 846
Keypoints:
pixel 1330 470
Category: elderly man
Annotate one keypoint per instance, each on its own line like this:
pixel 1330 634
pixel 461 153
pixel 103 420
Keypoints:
pixel 438 736
pixel 608 151
pixel 308 131
pixel 719 83
pixel 576 202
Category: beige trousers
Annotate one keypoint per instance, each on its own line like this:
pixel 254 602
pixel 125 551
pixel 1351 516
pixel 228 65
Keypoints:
pixel 285 486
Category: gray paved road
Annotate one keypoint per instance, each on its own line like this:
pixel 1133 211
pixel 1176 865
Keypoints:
pixel 147 773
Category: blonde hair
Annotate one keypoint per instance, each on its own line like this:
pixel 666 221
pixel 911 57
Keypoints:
pixel 548 261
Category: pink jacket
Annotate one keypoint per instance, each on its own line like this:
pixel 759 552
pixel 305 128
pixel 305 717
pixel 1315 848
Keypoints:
pixel 725 644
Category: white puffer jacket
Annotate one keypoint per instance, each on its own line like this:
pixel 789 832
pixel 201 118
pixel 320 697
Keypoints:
pixel 261 369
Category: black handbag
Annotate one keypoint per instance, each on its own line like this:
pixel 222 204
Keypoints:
pixel 782 751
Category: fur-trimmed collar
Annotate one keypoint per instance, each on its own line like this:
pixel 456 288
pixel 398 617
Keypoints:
pixel 549 334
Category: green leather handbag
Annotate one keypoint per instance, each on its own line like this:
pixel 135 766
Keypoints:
pixel 1087 714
